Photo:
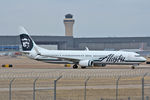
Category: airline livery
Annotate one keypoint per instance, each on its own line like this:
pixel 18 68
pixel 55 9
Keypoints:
pixel 83 58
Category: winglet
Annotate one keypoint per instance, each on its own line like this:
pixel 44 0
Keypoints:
pixel 86 48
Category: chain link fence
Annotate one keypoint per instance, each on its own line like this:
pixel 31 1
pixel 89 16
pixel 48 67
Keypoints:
pixel 73 85
pixel 89 88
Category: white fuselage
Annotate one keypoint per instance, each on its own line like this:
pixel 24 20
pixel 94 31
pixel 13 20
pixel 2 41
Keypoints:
pixel 107 57
pixel 83 58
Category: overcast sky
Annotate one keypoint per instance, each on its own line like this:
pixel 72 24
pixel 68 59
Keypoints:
pixel 96 18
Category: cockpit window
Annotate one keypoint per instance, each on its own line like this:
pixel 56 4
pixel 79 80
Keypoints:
pixel 137 56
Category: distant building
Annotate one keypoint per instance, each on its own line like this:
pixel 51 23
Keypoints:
pixel 69 21
pixel 68 42
pixel 71 43
pixel 9 47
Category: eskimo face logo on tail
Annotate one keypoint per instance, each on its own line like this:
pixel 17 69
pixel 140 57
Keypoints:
pixel 111 58
pixel 26 42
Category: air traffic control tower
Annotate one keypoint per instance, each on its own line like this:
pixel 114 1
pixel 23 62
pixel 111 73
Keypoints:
pixel 69 21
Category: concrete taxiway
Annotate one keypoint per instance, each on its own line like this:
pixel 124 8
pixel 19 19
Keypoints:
pixel 28 68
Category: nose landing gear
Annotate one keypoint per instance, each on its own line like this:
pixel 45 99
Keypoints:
pixel 133 66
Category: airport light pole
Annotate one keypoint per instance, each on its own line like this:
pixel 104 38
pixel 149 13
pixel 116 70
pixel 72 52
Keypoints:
pixel 85 87
pixel 55 83
pixel 10 85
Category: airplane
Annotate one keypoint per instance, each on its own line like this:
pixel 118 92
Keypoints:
pixel 84 58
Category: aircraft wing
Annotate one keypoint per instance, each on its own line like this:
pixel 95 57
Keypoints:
pixel 64 58
pixel 75 60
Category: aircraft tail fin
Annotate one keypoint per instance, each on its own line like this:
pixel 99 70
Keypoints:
pixel 28 45
pixel 27 42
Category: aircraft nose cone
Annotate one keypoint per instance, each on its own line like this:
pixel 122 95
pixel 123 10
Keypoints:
pixel 143 59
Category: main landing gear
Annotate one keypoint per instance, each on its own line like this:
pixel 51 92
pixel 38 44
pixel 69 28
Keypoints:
pixel 75 66
pixel 83 67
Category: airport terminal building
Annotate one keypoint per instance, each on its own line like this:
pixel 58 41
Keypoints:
pixel 68 42
pixel 71 43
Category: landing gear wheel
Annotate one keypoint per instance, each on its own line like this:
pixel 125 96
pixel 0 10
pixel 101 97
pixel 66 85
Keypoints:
pixel 133 67
pixel 83 67
pixel 103 65
pixel 75 66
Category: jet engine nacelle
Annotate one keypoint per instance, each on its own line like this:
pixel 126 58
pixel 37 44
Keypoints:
pixel 86 63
